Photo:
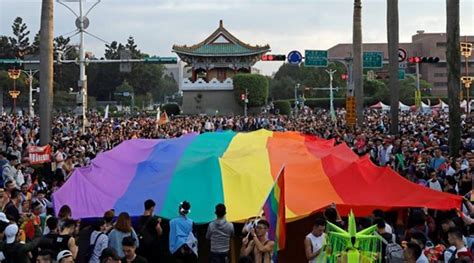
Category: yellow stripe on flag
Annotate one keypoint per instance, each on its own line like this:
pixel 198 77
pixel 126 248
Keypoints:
pixel 246 174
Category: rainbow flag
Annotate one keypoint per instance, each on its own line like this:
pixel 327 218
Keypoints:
pixel 274 209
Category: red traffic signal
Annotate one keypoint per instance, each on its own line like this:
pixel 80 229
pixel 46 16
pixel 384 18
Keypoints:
pixel 344 76
pixel 271 57
pixel 414 60
pixel 242 96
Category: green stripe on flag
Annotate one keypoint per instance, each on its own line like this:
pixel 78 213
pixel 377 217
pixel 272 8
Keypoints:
pixel 197 178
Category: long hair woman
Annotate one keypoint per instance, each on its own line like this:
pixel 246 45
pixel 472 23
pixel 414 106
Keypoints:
pixel 123 228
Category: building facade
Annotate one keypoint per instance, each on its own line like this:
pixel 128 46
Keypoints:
pixel 422 45
pixel 213 63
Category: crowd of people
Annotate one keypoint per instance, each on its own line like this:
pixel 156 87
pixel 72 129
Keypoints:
pixel 31 232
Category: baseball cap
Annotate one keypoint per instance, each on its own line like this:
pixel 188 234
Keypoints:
pixel 3 218
pixel 63 254
pixel 109 253
pixel 10 233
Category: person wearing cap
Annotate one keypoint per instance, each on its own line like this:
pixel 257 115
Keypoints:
pixel 220 232
pixel 109 255
pixel 14 250
pixel 65 256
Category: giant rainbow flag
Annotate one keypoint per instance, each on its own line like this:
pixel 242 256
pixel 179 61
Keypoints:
pixel 238 169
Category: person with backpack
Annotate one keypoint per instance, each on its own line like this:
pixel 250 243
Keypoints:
pixel 98 241
pixel 458 248
pixel 149 232
pixel 391 251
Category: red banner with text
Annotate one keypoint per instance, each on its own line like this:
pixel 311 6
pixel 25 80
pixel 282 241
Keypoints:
pixel 38 155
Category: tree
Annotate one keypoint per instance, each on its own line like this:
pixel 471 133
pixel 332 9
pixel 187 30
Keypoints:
pixel 35 46
pixel 453 59
pixel 46 70
pixel 256 85
pixel 112 51
pixel 20 42
pixel 392 36
pixel 287 76
pixel 132 47
pixel 167 86
pixel 357 72
pixel 125 87
pixel 6 49
pixel 377 90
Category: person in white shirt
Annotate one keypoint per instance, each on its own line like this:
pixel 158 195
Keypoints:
pixel 315 241
pixel 458 248
pixel 433 183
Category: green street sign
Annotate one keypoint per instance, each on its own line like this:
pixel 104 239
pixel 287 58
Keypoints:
pixel 401 74
pixel 373 59
pixel 161 60
pixel 316 58
pixel 10 61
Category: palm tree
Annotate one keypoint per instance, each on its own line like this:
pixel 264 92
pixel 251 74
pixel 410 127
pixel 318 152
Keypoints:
pixel 357 61
pixel 392 36
pixel 453 59
pixel 46 70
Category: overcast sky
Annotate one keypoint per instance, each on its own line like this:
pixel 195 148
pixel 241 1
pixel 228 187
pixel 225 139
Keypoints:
pixel 283 24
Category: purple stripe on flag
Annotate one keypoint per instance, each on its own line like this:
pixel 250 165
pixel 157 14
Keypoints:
pixel 93 190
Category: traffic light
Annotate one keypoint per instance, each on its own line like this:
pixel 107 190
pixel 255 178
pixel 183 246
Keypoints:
pixel 242 96
pixel 414 60
pixel 429 59
pixel 344 76
pixel 272 57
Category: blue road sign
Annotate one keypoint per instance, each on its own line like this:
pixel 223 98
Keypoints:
pixel 295 57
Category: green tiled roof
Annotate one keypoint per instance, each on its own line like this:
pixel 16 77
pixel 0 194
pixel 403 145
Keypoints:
pixel 215 49
pixel 230 47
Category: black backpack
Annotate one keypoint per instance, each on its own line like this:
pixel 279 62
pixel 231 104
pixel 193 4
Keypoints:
pixel 90 250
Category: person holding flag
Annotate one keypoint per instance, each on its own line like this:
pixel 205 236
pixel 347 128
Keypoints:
pixel 268 237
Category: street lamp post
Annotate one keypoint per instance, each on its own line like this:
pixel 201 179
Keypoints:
pixel 14 74
pixel 82 23
pixel 30 74
pixel 331 94
pixel 466 51
pixel 297 86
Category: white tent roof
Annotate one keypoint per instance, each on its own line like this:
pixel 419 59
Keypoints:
pixel 403 107
pixel 442 105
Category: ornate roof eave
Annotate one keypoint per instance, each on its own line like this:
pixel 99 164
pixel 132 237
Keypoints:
pixel 190 53
pixel 220 30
